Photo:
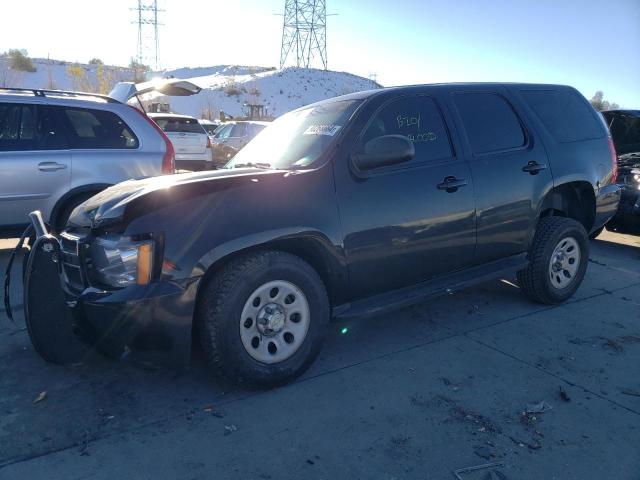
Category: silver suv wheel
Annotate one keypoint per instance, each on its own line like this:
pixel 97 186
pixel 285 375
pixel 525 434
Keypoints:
pixel 274 322
pixel 564 263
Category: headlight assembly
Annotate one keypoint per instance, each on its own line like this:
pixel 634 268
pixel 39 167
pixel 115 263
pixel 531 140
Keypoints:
pixel 121 261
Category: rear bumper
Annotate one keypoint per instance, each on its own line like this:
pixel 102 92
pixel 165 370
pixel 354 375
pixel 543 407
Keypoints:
pixel 149 324
pixel 607 200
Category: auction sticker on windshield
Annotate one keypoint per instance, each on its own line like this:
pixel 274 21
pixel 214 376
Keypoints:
pixel 329 130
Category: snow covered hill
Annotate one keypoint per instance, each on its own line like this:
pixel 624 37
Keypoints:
pixel 225 87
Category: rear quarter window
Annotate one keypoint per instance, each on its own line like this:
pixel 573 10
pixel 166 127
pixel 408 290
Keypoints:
pixel 490 122
pixel 98 129
pixel 566 115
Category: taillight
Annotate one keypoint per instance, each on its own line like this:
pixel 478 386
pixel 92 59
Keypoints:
pixel 209 142
pixel 169 158
pixel 614 161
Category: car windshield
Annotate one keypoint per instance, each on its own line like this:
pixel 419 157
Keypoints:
pixel 178 124
pixel 297 139
pixel 625 130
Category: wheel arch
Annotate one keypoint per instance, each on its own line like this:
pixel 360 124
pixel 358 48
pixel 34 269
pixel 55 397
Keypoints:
pixel 74 192
pixel 311 246
pixel 574 200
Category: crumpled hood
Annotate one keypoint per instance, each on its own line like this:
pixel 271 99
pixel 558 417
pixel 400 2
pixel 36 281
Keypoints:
pixel 109 205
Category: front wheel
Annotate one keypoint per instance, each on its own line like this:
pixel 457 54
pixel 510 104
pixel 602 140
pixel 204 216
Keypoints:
pixel 558 259
pixel 262 319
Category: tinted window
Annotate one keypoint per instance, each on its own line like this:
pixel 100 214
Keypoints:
pixel 418 119
pixel 490 122
pixel 565 114
pixel 179 125
pixel 98 129
pixel 29 127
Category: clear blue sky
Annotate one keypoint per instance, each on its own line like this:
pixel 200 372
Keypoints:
pixel 591 44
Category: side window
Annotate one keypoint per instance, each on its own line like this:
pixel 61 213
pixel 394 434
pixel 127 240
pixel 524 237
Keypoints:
pixel 418 119
pixel 490 122
pixel 565 115
pixel 30 127
pixel 17 127
pixel 98 129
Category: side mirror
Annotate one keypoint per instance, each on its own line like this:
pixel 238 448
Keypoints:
pixel 384 151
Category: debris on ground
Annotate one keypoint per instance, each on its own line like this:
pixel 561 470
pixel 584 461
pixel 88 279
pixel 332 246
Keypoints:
pixel 41 396
pixel 628 391
pixel 564 395
pixel 540 407
pixel 492 473
pixel 229 428
pixel 533 445
pixel 611 344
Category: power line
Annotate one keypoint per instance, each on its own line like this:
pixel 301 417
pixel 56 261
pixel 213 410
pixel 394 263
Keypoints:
pixel 304 32
pixel 148 52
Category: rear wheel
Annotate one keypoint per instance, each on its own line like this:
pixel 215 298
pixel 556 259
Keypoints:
pixel 263 318
pixel 558 261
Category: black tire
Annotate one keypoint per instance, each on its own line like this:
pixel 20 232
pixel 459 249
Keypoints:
pixel 63 215
pixel 596 233
pixel 535 280
pixel 220 309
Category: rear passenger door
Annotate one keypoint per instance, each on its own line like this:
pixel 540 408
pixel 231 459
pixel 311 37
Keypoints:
pixel 404 224
pixel 35 164
pixel 509 166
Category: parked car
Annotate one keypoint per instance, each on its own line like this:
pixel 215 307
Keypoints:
pixel 59 148
pixel 625 130
pixel 347 207
pixel 231 137
pixel 190 140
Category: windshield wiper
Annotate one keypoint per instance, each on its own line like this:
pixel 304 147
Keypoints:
pixel 251 164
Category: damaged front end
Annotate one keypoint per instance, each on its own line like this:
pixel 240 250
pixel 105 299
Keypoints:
pixel 88 288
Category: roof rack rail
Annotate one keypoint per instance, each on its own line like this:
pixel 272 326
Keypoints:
pixel 40 92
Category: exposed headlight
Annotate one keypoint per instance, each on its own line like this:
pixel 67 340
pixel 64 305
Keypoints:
pixel 120 261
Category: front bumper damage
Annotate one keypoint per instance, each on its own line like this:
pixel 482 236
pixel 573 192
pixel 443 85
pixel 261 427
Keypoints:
pixel 150 324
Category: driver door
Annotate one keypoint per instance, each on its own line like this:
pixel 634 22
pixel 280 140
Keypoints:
pixel 401 224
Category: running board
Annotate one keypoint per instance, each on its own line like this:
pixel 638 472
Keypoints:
pixel 407 296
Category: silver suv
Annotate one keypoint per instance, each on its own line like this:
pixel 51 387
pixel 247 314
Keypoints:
pixel 57 149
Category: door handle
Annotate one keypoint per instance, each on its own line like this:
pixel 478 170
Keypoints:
pixel 51 166
pixel 451 184
pixel 533 167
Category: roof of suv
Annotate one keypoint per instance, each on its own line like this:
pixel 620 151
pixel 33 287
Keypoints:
pixel 61 97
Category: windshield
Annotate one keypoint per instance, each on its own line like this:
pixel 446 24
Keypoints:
pixel 297 139
pixel 625 130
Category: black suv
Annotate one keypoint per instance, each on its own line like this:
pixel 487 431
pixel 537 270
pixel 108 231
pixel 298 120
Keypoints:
pixel 350 206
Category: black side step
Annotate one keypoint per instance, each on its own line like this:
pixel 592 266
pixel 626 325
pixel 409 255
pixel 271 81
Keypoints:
pixel 407 296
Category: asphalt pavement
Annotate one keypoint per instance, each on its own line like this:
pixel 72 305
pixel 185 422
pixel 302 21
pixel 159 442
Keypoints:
pixel 480 376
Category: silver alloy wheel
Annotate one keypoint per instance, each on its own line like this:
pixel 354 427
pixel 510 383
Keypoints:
pixel 274 322
pixel 564 263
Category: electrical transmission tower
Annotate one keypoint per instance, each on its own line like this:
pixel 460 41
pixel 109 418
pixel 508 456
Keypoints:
pixel 304 33
pixel 148 43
